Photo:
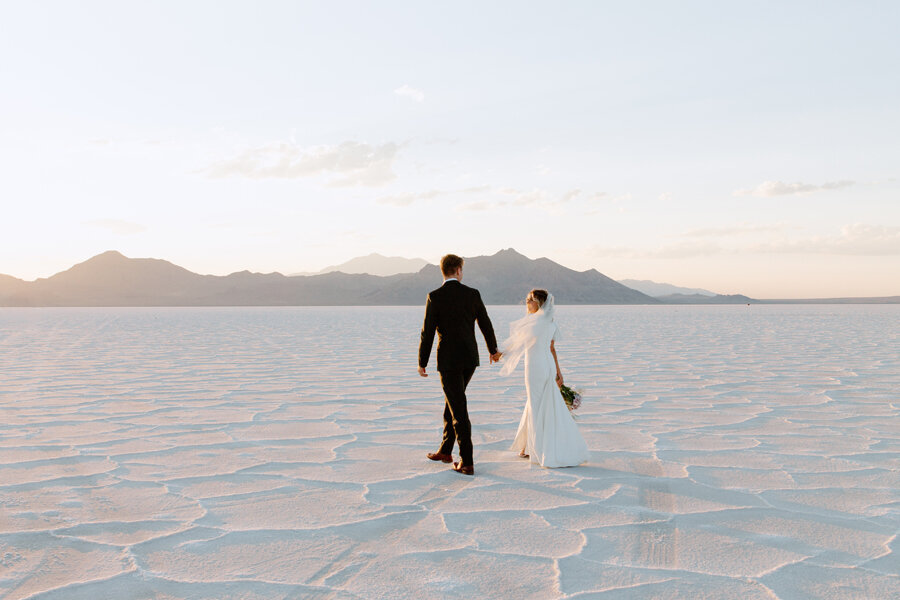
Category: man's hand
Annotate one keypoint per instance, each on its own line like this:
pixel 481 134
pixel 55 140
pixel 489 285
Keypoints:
pixel 422 372
pixel 496 356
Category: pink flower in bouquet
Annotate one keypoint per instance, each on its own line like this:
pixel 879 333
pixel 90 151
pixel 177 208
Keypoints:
pixel 571 397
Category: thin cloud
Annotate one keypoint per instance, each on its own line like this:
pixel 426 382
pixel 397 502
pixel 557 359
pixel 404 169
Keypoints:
pixel 570 195
pixel 513 197
pixel 526 198
pixel 682 250
pixel 856 239
pixel 476 206
pixel 352 163
pixel 407 199
pixel 771 189
pixel 602 203
pixel 438 141
pixel 410 92
pixel 540 197
pixel 597 201
pixel 117 226
pixel 475 189
pixel 506 197
pixel 742 229
pixel 500 198
pixel 398 199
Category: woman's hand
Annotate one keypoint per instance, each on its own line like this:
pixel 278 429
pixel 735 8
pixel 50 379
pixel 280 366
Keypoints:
pixel 559 379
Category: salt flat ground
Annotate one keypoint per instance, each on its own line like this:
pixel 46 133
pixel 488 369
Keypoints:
pixel 737 452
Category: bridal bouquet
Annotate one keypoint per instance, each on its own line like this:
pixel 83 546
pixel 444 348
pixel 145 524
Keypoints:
pixel 572 397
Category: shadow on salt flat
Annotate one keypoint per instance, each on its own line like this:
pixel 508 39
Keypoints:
pixel 456 573
pixel 809 581
pixel 681 544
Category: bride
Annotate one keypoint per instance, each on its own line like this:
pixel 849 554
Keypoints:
pixel 547 432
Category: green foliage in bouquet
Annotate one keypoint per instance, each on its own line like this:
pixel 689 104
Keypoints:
pixel 572 397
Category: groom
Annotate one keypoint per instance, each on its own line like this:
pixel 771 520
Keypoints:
pixel 452 310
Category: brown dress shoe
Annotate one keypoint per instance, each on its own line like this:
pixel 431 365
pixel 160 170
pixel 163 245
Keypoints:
pixel 464 469
pixel 440 456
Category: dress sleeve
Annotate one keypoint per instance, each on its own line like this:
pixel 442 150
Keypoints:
pixel 556 335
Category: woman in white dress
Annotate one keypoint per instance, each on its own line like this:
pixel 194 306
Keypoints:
pixel 547 434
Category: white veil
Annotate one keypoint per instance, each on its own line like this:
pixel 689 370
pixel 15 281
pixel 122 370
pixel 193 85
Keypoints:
pixel 524 333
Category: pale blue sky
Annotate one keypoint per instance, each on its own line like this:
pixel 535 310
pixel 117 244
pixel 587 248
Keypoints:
pixel 743 147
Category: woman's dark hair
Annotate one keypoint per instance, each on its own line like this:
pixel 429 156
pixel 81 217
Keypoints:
pixel 450 263
pixel 539 295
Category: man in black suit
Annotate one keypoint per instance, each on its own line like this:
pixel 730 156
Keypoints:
pixel 452 310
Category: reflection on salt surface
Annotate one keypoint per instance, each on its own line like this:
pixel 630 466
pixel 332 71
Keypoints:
pixel 737 451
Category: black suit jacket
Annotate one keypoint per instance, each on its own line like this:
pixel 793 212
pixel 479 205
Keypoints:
pixel 452 310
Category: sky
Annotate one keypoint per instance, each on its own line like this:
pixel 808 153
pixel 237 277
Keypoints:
pixel 740 147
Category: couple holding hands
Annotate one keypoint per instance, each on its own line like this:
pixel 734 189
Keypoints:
pixel 547 433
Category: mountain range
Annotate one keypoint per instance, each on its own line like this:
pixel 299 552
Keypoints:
pixel 385 266
pixel 111 279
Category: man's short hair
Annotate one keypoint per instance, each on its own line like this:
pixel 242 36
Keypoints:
pixel 450 263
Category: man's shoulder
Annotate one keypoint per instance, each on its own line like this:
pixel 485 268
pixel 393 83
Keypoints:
pixel 470 290
pixel 436 295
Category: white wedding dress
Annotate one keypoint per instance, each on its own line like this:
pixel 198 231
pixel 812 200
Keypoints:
pixel 547 432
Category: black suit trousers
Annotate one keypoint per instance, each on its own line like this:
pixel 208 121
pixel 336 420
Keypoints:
pixel 457 428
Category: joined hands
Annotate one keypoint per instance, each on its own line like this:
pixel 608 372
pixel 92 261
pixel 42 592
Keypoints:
pixel 495 358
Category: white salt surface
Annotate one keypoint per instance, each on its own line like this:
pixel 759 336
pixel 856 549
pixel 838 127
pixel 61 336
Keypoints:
pixel 737 452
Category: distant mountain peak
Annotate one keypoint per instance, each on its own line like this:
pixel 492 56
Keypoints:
pixel 510 252
pixel 111 279
pixel 510 256
pixel 659 290
pixel 108 259
pixel 110 255
pixel 375 264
